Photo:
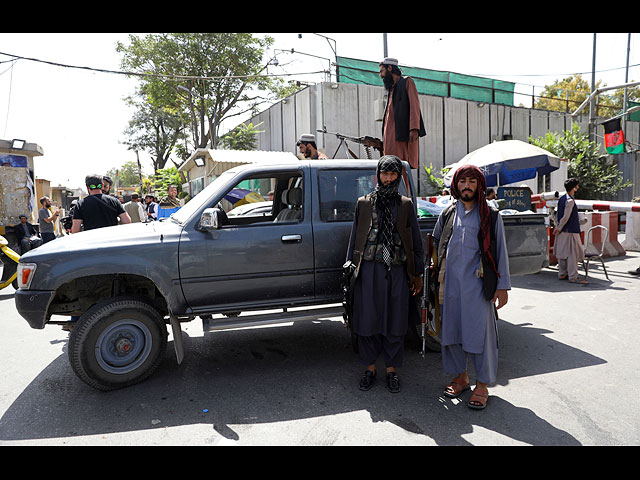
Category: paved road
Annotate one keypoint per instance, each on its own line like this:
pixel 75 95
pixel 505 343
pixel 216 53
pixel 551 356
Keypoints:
pixel 567 376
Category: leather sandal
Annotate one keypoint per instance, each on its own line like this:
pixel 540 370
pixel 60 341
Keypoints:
pixel 478 399
pixel 366 382
pixel 454 389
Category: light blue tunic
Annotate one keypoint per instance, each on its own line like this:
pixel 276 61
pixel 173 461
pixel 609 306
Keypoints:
pixel 466 315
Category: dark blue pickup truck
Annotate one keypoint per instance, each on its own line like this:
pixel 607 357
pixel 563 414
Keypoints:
pixel 128 283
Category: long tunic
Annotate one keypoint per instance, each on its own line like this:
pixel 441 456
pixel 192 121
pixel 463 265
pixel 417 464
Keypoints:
pixel 404 150
pixel 568 245
pixel 381 298
pixel 466 314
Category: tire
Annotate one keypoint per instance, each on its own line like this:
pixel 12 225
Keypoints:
pixel 117 343
pixel 414 340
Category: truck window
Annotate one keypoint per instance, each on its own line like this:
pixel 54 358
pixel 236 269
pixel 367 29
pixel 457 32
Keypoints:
pixel 339 191
pixel 276 198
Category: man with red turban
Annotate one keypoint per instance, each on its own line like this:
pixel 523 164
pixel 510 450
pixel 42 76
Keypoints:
pixel 473 273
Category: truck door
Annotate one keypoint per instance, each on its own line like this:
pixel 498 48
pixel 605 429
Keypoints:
pixel 338 193
pixel 261 256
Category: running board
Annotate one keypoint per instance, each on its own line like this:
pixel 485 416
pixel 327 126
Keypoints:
pixel 263 319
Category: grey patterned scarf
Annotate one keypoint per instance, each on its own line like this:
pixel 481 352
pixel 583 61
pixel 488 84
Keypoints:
pixel 383 197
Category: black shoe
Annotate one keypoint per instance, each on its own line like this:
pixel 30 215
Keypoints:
pixel 366 382
pixel 635 272
pixel 393 382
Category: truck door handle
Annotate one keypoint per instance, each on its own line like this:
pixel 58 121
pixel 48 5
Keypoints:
pixel 291 238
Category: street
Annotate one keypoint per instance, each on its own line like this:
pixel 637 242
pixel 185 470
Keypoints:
pixel 566 376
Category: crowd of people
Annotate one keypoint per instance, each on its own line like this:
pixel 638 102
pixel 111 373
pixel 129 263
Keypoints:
pixel 100 208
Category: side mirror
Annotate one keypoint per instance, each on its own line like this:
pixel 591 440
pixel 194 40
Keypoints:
pixel 209 219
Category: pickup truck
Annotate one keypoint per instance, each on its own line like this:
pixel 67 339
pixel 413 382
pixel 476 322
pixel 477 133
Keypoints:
pixel 128 283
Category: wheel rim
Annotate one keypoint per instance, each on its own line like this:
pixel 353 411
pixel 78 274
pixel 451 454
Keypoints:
pixel 123 346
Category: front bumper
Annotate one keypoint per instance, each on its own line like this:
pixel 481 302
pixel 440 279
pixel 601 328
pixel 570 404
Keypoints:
pixel 32 305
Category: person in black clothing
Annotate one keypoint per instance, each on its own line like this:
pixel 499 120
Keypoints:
pixel 27 235
pixel 97 210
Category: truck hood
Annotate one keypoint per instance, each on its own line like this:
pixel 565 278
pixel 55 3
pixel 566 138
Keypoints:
pixel 133 235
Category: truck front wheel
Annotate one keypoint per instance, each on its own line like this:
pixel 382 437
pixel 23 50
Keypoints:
pixel 117 343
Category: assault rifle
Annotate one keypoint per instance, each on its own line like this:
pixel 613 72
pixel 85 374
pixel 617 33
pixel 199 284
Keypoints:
pixel 366 141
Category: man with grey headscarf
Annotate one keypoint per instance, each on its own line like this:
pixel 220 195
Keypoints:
pixel 387 251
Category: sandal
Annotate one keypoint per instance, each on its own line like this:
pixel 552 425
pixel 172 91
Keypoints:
pixel 478 399
pixel 563 277
pixel 454 389
pixel 579 280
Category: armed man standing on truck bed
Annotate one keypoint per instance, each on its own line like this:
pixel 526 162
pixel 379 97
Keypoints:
pixel 386 249
pixel 402 123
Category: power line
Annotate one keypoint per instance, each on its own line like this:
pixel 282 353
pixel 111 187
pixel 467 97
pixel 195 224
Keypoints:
pixel 154 75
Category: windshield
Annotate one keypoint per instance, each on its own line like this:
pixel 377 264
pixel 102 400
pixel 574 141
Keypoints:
pixel 199 201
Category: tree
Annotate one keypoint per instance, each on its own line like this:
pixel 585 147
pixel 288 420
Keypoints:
pixel 599 177
pixel 178 64
pixel 153 129
pixel 568 94
pixel 243 137
pixel 127 174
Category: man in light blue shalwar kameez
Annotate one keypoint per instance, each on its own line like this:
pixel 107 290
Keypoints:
pixel 469 328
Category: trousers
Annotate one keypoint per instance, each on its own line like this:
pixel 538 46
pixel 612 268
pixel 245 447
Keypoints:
pixel 370 348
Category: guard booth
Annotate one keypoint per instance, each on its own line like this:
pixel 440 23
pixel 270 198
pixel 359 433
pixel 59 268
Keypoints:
pixel 17 185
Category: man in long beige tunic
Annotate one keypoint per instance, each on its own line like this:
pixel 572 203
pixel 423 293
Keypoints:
pixel 402 124
pixel 568 246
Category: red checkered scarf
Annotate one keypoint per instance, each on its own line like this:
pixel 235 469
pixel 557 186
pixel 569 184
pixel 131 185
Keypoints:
pixel 483 208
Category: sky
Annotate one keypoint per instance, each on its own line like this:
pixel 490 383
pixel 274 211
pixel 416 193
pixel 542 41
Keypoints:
pixel 78 116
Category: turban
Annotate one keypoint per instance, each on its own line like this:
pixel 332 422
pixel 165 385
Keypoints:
pixel 483 208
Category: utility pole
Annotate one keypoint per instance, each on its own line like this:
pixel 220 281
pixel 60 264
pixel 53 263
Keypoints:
pixel 593 87
pixel 626 80
pixel 384 46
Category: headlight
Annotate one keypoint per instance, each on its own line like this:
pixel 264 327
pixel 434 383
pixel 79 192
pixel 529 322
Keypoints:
pixel 25 274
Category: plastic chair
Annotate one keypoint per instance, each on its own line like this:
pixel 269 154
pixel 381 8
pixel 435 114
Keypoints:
pixel 588 257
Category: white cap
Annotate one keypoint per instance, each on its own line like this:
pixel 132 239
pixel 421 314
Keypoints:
pixel 389 61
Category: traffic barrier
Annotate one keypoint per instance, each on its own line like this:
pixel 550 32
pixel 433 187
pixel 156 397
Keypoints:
pixel 612 248
pixel 632 232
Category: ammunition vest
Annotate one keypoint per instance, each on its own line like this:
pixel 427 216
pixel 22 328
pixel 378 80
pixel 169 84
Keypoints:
pixel 365 246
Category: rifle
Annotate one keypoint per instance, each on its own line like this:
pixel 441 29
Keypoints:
pixel 426 311
pixel 348 282
pixel 366 141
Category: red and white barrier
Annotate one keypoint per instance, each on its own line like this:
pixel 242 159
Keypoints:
pixel 632 232
pixel 612 248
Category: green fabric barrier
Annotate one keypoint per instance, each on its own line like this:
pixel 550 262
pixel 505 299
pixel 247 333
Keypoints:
pixel 431 82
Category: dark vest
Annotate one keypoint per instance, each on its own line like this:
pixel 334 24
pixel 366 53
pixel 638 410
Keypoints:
pixel 365 218
pixel 401 109
pixel 573 225
pixel 489 277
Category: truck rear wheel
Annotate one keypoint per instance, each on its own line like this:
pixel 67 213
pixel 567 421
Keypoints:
pixel 117 343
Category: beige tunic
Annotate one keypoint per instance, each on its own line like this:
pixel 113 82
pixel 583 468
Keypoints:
pixel 404 150
pixel 568 245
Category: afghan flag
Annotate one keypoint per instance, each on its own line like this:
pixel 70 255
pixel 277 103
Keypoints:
pixel 613 136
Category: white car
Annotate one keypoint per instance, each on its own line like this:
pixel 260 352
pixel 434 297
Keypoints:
pixel 256 208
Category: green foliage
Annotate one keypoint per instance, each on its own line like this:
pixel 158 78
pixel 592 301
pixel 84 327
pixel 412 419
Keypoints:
pixel 243 137
pixel 127 174
pixel 436 181
pixel 165 177
pixel 599 177
pixel 231 62
pixel 568 94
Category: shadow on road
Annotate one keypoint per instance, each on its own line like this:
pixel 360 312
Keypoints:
pixel 299 371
